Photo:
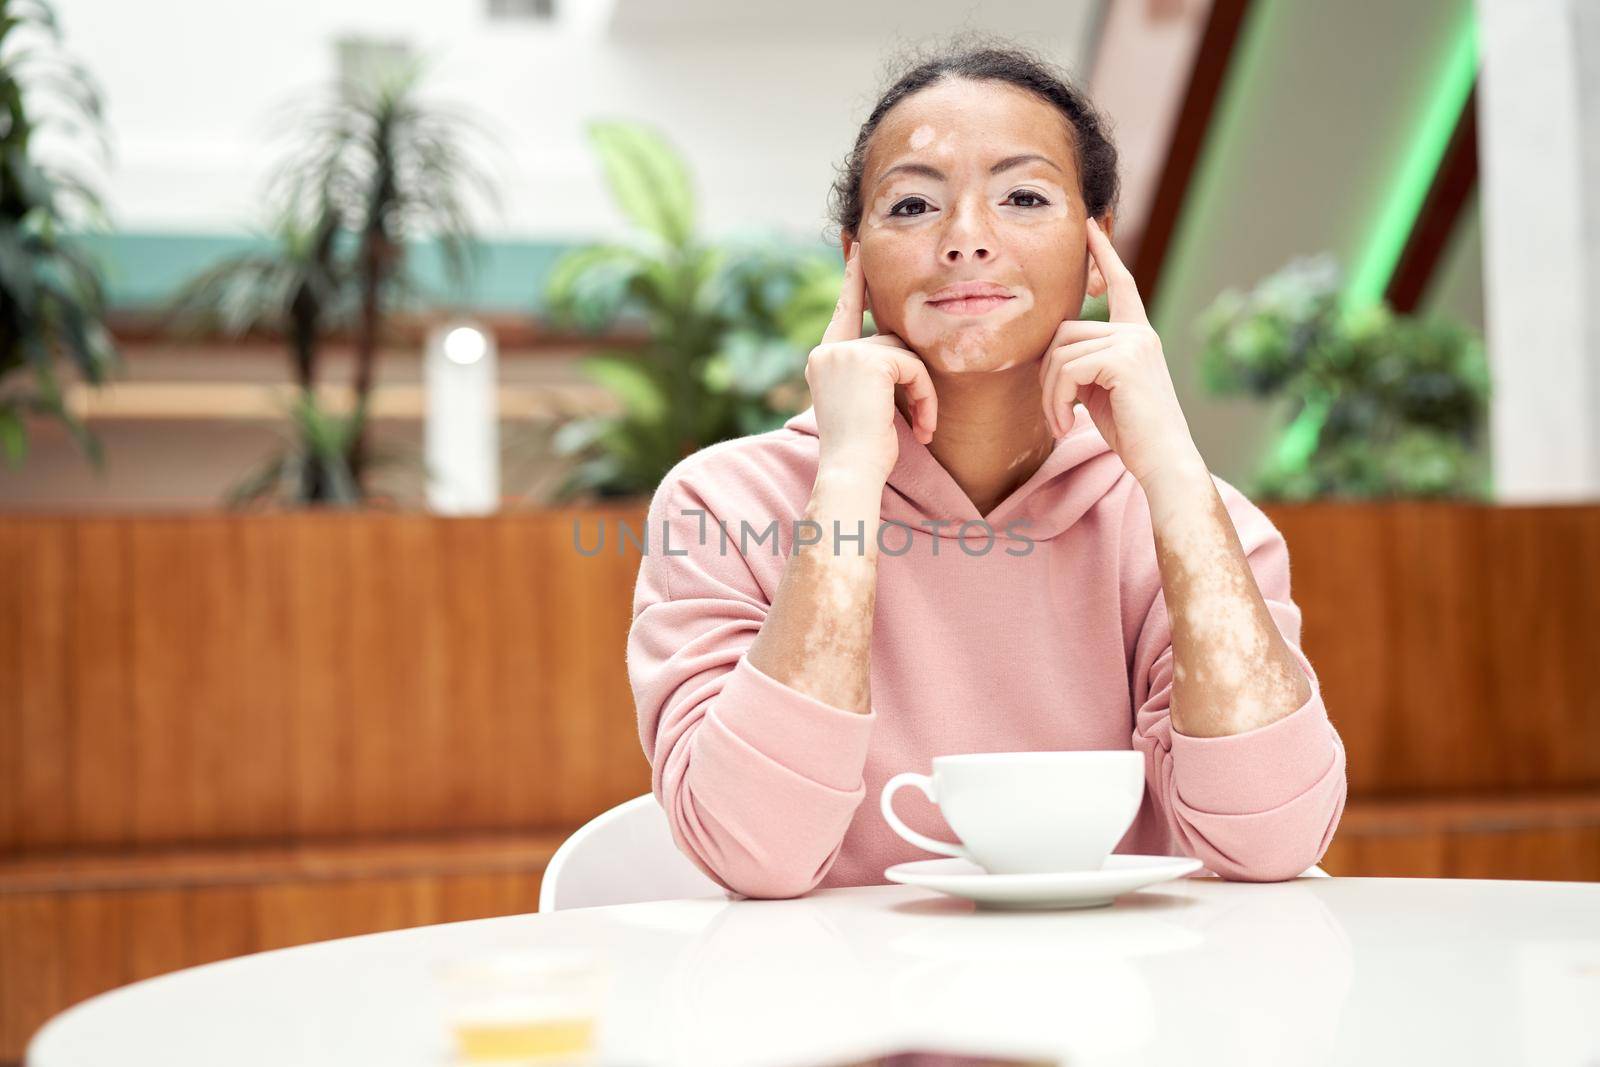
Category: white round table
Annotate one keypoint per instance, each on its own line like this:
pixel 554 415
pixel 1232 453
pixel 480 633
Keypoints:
pixel 1197 970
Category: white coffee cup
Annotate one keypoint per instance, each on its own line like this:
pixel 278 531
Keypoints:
pixel 1028 812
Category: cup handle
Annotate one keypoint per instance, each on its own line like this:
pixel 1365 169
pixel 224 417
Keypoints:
pixel 924 783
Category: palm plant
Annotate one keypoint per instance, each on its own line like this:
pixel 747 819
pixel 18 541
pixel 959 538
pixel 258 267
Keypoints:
pixel 371 171
pixel 393 170
pixel 51 298
pixel 729 326
pixel 311 464
pixel 293 287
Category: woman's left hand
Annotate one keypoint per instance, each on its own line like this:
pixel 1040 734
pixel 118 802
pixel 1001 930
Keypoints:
pixel 1118 371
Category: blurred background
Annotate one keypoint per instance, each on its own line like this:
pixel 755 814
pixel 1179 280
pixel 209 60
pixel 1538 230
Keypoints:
pixel 323 327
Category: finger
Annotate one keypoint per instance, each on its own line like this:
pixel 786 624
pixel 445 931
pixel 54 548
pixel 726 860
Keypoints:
pixel 847 313
pixel 1072 330
pixel 910 372
pixel 1058 402
pixel 885 339
pixel 1051 396
pixel 1062 409
pixel 1061 392
pixel 1097 369
pixel 1049 368
pixel 1060 413
pixel 1079 349
pixel 1059 396
pixel 1122 292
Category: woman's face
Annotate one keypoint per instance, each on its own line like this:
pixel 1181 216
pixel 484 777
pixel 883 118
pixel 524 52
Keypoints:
pixel 936 211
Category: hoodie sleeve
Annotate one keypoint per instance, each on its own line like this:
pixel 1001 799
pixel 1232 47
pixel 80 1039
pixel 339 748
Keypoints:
pixel 1256 806
pixel 758 780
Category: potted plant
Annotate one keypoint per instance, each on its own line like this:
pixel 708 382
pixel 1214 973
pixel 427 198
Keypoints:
pixel 373 170
pixel 52 300
pixel 1384 405
pixel 729 326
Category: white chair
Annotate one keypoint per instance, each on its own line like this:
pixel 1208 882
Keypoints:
pixel 627 855
pixel 1310 872
pixel 622 856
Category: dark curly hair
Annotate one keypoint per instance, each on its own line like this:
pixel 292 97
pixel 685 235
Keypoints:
pixel 1000 62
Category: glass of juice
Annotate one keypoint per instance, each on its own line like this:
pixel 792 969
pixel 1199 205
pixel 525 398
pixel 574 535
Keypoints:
pixel 525 1005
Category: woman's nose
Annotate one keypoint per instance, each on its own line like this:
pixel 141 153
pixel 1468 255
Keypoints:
pixel 955 252
pixel 967 236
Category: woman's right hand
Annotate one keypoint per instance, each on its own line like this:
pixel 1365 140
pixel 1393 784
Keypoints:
pixel 852 380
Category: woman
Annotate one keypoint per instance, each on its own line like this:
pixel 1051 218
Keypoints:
pixel 799 636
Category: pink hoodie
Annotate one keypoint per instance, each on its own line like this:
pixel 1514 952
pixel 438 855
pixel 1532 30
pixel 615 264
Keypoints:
pixel 1053 637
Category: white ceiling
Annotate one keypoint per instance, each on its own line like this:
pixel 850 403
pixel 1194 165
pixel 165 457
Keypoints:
pixel 1061 27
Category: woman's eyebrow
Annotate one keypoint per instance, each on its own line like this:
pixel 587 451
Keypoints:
pixel 938 175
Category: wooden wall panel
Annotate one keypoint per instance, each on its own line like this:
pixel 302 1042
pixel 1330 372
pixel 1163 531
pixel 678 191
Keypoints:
pixel 164 688
pixel 321 722
pixel 1454 642
pixel 228 678
pixel 40 690
pixel 101 608
pixel 219 678
pixel 522 677
pixel 262 712
pixel 13 617
pixel 212 678
pixel 1542 592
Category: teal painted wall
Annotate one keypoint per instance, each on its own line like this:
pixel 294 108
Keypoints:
pixel 141 269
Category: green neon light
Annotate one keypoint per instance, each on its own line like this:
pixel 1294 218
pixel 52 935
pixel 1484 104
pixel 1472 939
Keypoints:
pixel 1370 278
pixel 1407 193
pixel 1298 442
pixel 1375 268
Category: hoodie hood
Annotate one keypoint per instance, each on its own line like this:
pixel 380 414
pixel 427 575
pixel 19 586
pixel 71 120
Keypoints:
pixel 1073 478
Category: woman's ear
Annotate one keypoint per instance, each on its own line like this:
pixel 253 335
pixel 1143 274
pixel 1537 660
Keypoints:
pixel 1097 283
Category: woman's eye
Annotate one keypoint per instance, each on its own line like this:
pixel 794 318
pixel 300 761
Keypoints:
pixel 918 202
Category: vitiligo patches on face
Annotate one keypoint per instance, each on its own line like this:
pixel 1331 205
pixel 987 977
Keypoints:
pixel 921 137
pixel 878 214
pixel 965 342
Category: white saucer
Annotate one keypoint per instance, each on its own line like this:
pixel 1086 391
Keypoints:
pixel 1067 889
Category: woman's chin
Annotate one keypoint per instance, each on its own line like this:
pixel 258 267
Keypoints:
pixel 968 359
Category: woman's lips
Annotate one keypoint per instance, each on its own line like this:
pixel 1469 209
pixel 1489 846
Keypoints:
pixel 971 305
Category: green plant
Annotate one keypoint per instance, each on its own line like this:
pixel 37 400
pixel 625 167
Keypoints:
pixel 313 463
pixel 371 170
pixel 291 288
pixel 51 298
pixel 1386 405
pixel 391 169
pixel 729 326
